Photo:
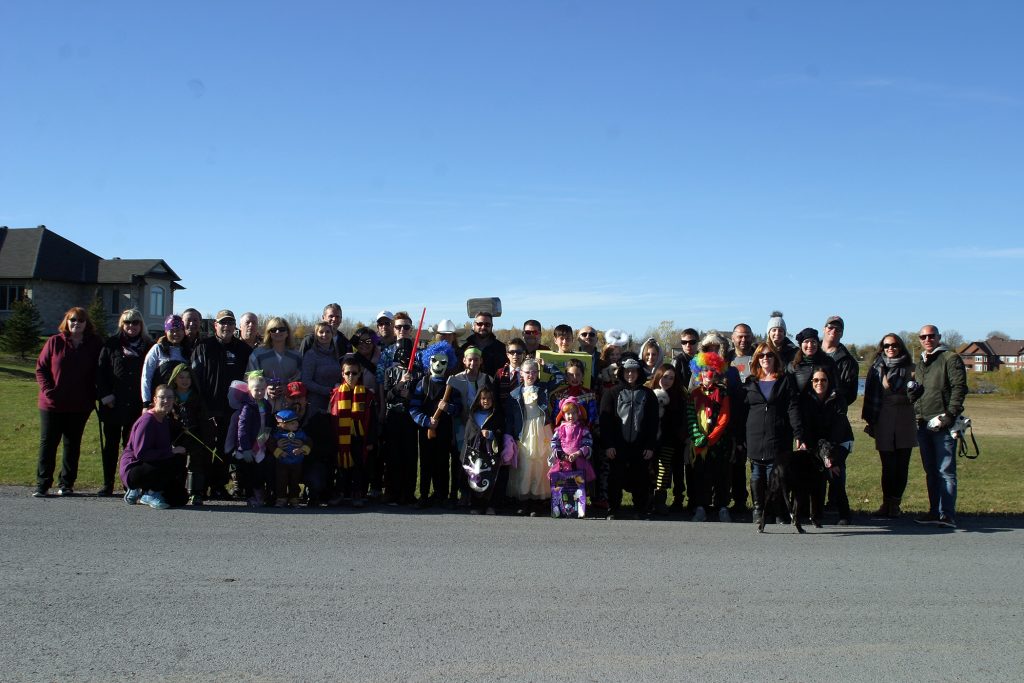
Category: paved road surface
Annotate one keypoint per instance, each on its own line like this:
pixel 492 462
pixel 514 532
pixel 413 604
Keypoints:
pixel 96 590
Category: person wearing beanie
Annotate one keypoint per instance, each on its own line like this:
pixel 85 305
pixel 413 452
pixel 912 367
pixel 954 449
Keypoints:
pixel 776 336
pixel 808 357
pixel 708 414
pixel 163 357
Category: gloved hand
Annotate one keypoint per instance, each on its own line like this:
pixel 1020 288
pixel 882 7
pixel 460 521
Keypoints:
pixel 946 421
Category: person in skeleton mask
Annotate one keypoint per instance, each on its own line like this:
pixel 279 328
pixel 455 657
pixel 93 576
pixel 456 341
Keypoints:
pixel 629 428
pixel 433 405
pixel 399 433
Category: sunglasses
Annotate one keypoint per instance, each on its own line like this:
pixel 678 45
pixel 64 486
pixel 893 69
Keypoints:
pixel 531 333
pixel 588 334
pixel 277 330
pixel 890 346
pixel 927 336
pixel 479 324
pixel 515 352
pixel 403 327
pixel 131 322
pixel 688 342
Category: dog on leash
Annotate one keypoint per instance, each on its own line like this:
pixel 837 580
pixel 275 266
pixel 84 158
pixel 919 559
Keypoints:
pixel 797 476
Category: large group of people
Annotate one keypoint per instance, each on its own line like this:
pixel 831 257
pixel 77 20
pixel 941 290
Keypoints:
pixel 487 425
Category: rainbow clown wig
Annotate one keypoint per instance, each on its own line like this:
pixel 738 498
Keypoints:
pixel 707 360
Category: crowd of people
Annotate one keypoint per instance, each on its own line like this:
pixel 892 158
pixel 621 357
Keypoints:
pixel 486 425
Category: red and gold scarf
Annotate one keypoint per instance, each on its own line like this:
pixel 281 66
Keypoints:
pixel 349 406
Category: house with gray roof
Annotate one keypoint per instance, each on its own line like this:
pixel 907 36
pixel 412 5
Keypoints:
pixel 57 274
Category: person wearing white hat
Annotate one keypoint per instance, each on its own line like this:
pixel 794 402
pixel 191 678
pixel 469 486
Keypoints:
pixel 385 328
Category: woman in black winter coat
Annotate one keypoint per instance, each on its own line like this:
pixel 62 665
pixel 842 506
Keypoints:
pixel 889 414
pixel 119 388
pixel 770 410
pixel 808 357
pixel 823 414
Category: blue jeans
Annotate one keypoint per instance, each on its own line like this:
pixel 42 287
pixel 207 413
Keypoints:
pixel 938 456
pixel 760 470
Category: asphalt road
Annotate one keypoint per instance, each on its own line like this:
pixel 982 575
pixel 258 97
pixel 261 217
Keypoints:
pixel 96 590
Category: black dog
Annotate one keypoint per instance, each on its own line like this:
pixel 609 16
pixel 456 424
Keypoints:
pixel 796 477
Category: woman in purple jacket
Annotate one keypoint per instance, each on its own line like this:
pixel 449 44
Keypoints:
pixel 66 373
pixel 152 470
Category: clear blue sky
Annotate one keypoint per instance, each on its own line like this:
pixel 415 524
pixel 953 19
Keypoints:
pixel 609 163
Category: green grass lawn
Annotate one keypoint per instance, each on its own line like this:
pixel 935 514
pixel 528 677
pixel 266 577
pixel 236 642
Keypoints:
pixel 990 484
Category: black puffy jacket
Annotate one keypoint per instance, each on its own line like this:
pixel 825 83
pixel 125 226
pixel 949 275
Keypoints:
pixel 771 421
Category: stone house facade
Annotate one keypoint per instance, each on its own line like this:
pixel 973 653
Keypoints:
pixel 57 274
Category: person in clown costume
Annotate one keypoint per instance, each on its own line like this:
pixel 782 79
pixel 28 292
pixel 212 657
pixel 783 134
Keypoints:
pixel 708 414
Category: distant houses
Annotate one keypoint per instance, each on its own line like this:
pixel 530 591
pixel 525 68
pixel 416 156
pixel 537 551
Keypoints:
pixel 993 353
pixel 57 274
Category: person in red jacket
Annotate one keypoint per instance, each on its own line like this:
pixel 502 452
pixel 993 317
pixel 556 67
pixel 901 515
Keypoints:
pixel 66 373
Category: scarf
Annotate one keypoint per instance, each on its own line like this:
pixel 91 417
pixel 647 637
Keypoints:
pixel 349 406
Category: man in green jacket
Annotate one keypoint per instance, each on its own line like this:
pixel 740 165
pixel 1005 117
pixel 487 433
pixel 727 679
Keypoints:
pixel 941 373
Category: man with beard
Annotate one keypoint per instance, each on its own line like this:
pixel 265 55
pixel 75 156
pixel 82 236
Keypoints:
pixel 483 338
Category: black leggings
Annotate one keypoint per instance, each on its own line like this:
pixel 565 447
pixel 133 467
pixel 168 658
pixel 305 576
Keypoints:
pixel 895 466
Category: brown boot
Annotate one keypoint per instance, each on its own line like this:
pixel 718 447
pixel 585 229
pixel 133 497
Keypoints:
pixel 894 507
pixel 883 510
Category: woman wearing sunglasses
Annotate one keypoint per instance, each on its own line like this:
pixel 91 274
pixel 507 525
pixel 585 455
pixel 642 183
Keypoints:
pixel 279 362
pixel 119 387
pixel 889 414
pixel 66 374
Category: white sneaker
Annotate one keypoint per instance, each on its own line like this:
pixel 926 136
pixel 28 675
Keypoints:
pixel 724 516
pixel 699 515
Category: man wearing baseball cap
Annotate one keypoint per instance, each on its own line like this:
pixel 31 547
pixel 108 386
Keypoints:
pixel 847 367
pixel 216 362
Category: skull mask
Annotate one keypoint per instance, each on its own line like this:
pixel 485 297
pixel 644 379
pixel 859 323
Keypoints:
pixel 438 365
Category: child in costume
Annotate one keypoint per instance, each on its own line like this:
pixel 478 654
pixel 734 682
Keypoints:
pixel 433 406
pixel 708 419
pixel 247 435
pixel 193 429
pixel 399 440
pixel 629 432
pixel 482 449
pixel 290 446
pixel 571 441
pixel 529 420
pixel 353 406
pixel 672 433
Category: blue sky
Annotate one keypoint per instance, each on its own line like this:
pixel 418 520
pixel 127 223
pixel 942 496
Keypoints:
pixel 605 163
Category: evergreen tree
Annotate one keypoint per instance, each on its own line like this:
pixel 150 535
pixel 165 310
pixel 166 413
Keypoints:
pixel 98 316
pixel 22 329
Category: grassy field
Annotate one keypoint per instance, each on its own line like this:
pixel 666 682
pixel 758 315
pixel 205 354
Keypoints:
pixel 991 484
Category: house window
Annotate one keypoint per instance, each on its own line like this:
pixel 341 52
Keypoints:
pixel 115 301
pixel 9 294
pixel 156 301
pixel 979 359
